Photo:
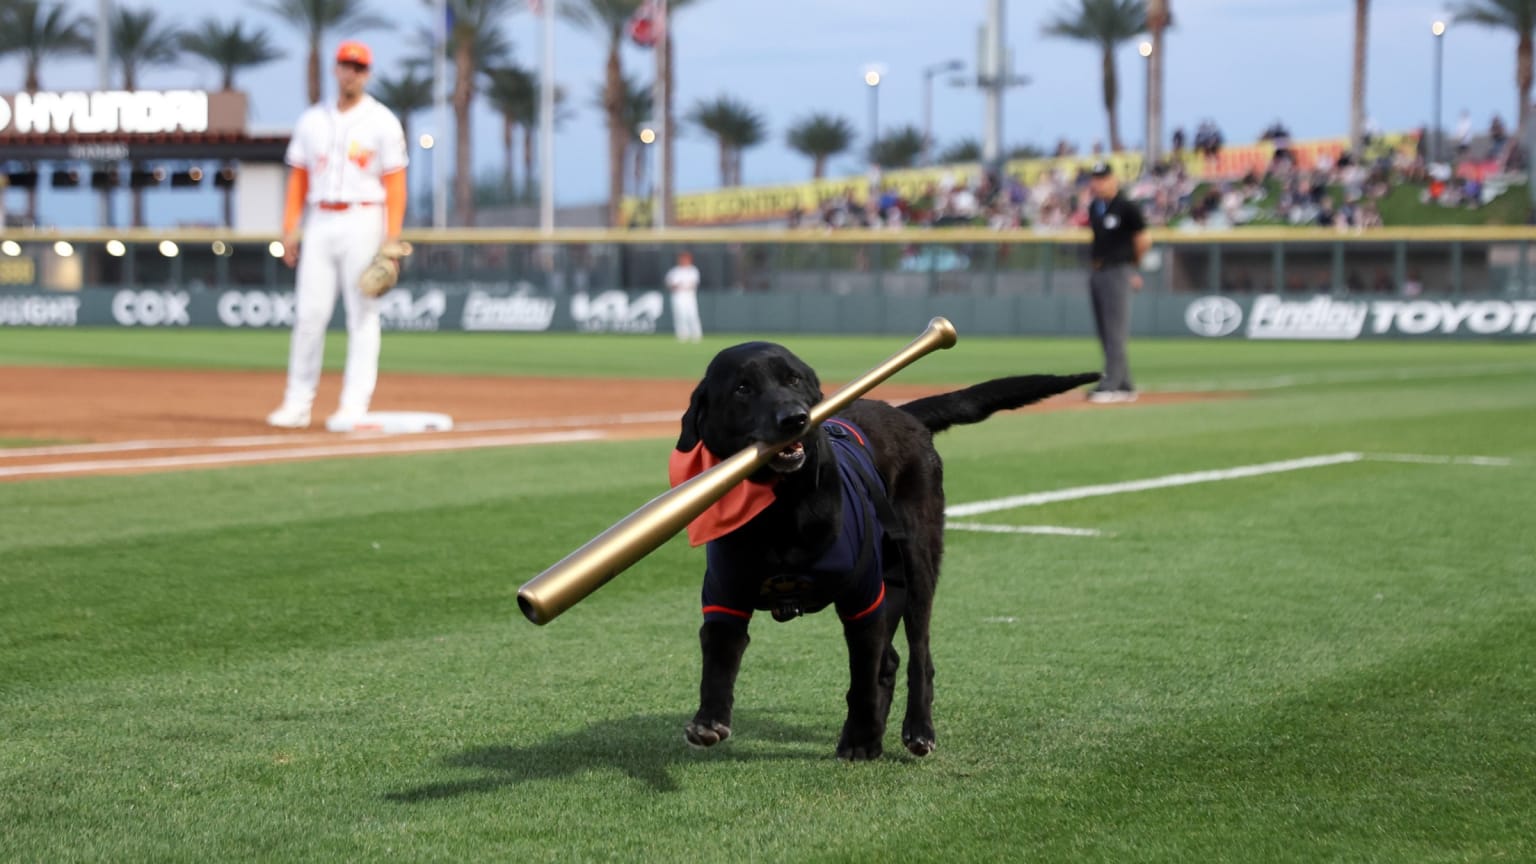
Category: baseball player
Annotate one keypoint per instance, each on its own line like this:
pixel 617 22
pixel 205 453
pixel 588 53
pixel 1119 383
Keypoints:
pixel 346 183
pixel 683 282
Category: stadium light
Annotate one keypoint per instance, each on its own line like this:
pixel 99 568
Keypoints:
pixel 11 248
pixel 63 249
pixel 169 249
pixel 116 249
pixel 872 75
pixel 190 178
pixel 1437 30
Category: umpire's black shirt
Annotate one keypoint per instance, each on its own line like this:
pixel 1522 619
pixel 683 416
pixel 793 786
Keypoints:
pixel 1115 224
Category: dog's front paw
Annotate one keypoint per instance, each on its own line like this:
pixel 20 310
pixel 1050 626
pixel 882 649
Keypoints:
pixel 919 737
pixel 708 734
pixel 919 746
pixel 859 745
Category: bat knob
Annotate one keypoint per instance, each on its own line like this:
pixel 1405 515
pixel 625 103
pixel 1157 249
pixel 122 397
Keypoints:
pixel 943 332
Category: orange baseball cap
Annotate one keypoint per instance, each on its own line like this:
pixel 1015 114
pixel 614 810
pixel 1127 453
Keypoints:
pixel 354 52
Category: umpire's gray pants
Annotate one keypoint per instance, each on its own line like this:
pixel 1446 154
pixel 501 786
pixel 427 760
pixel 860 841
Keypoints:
pixel 1110 290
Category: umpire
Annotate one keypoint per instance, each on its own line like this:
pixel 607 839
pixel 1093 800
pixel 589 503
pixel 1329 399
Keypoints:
pixel 1119 242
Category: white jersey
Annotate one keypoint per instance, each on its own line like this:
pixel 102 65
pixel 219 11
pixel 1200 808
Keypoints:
pixel 683 279
pixel 346 152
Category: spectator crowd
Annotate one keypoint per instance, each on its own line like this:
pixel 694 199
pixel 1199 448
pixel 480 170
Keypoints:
pixel 1343 193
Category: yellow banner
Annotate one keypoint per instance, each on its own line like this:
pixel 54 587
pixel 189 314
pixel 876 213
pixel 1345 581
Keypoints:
pixel 754 204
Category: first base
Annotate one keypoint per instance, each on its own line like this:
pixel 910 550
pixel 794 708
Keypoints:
pixel 392 422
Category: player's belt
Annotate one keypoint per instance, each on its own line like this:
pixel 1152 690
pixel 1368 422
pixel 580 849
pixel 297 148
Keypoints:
pixel 344 205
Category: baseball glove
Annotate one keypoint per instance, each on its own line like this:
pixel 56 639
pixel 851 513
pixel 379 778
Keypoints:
pixel 384 270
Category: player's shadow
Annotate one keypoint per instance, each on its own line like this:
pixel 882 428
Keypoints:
pixel 643 746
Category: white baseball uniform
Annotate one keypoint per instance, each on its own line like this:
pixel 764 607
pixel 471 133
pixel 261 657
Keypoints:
pixel 683 280
pixel 346 153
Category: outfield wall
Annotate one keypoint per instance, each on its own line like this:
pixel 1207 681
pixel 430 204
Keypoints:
pixel 1468 283
pixel 514 309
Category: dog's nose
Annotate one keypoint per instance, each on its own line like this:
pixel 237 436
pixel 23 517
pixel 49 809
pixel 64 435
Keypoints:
pixel 792 420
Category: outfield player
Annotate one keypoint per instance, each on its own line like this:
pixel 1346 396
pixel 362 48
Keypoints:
pixel 346 184
pixel 683 282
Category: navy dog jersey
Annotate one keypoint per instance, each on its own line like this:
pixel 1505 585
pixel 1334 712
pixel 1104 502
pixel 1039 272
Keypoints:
pixel 734 586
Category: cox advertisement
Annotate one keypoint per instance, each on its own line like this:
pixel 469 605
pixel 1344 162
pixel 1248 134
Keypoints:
pixel 420 307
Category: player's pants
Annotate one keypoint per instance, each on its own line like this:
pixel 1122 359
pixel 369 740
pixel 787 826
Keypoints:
pixel 685 316
pixel 1110 290
pixel 337 246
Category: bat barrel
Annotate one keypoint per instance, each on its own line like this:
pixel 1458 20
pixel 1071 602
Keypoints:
pixel 640 533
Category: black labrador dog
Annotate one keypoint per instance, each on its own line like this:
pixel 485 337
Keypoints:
pixel 849 514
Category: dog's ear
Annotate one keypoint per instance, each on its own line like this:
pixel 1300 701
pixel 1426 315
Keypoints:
pixel 812 382
pixel 693 419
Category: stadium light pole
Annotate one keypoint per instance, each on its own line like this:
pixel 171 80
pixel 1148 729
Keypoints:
pixel 872 81
pixel 547 120
pixel 440 110
pixel 104 80
pixel 1145 50
pixel 928 73
pixel 1437 29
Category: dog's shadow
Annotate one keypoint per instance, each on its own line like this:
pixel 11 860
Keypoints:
pixel 643 746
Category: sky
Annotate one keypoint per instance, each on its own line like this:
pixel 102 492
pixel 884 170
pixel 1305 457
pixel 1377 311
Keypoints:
pixel 1242 63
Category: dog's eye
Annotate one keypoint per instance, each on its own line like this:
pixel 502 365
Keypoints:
pixel 793 379
pixel 744 389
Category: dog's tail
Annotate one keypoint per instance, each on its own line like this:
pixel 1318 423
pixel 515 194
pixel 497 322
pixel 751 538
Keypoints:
pixel 976 403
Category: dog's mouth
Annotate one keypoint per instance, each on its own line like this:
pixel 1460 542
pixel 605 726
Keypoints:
pixel 789 459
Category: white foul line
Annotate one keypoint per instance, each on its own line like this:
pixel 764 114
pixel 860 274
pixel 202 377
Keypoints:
pixel 291 438
pixel 1422 459
pixel 1038 498
pixel 1057 530
pixel 348 448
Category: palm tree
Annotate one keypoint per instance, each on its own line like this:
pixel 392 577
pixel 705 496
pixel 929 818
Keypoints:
pixel 230 48
pixel 38 29
pixel 405 94
pixel 1159 19
pixel 899 148
pixel 666 72
pixel 820 137
pixel 514 92
pixel 1025 151
pixel 315 18
pixel 1518 16
pixel 735 127
pixel 138 42
pixel 475 43
pixel 608 18
pixel 1106 24
pixel 964 150
pixel 639 108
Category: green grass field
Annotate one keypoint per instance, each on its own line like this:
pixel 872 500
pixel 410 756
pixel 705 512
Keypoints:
pixel 325 661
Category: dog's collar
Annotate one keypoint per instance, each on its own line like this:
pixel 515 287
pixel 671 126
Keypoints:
pixel 735 509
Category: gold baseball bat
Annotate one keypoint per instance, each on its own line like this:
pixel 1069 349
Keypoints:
pixel 640 533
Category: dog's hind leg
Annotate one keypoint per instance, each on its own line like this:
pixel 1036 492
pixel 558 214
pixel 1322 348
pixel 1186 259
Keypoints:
pixel 723 643
pixel 861 731
pixel 917 731
pixel 890 662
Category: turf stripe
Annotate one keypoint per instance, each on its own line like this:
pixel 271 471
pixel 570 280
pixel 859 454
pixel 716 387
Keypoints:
pixel 1038 498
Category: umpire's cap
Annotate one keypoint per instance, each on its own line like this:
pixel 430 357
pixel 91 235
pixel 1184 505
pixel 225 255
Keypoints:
pixel 1101 169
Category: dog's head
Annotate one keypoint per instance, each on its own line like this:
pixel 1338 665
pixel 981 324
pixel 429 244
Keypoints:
pixel 756 391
